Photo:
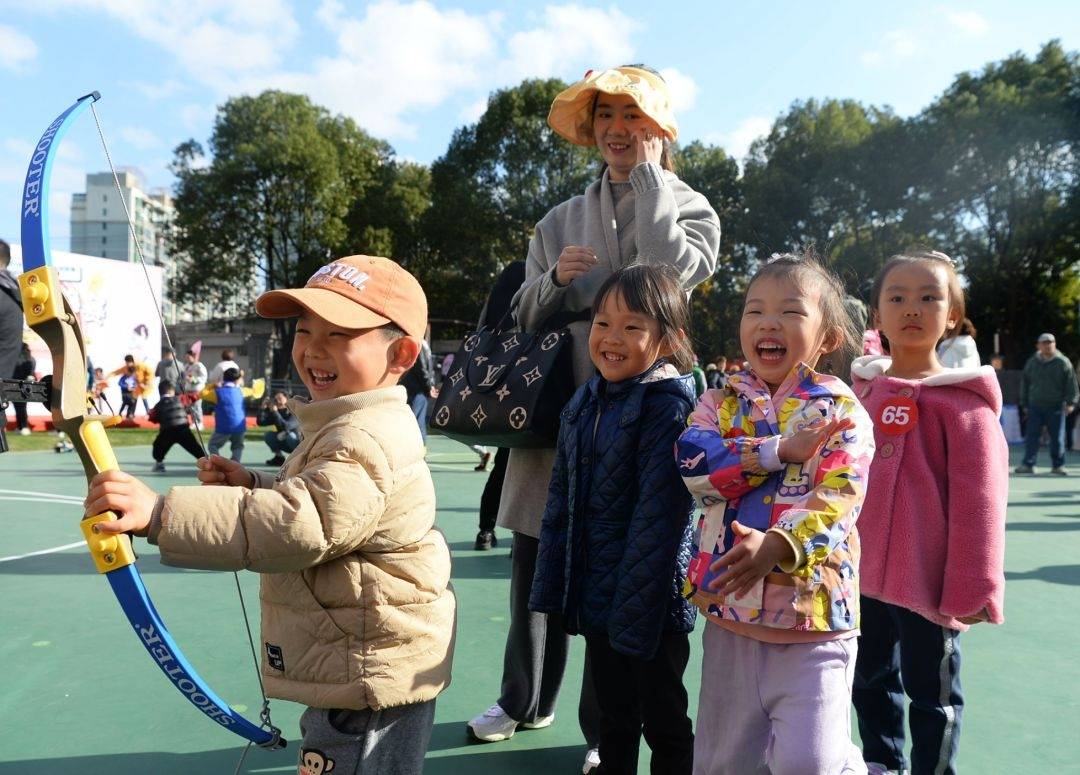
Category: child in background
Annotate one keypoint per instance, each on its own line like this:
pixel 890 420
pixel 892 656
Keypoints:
pixel 356 606
pixel 230 421
pixel 128 384
pixel 778 460
pixel 614 543
pixel 101 384
pixel 172 416
pixel 934 524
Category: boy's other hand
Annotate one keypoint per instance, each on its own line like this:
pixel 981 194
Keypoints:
pixel 124 494
pixel 220 470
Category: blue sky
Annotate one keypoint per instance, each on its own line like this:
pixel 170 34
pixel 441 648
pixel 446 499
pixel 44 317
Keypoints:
pixel 411 72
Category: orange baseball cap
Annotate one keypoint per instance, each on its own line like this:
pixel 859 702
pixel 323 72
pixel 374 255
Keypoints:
pixel 355 292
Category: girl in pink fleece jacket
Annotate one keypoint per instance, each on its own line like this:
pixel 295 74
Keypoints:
pixel 933 524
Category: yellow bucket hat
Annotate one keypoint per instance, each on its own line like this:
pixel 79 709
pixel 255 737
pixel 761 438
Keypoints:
pixel 571 111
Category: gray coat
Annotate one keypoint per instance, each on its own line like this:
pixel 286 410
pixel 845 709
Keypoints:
pixel 662 221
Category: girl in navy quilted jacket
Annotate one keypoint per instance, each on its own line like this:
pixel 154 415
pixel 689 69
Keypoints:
pixel 615 539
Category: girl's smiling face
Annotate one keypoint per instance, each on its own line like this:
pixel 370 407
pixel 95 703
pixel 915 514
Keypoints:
pixel 913 309
pixel 624 343
pixel 781 327
pixel 616 120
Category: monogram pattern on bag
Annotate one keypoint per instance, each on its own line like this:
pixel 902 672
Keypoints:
pixel 493 367
pixel 478 416
pixel 518 417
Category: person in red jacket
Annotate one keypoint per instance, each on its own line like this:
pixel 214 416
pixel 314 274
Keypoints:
pixel 933 523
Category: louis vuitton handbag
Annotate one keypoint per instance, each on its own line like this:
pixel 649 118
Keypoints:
pixel 507 388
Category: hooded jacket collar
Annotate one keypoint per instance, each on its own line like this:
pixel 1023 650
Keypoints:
pixel 981 380
pixel 660 376
pixel 313 415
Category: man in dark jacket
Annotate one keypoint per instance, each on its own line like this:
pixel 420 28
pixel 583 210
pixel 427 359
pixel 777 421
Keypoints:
pixel 286 434
pixel 172 416
pixel 11 315
pixel 24 370
pixel 419 383
pixel 1048 393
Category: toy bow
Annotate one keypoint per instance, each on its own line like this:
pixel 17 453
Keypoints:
pixel 50 315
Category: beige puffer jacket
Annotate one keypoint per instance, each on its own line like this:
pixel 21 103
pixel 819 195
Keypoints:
pixel 357 608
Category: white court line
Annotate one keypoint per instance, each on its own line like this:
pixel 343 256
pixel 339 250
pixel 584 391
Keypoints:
pixel 42 500
pixel 41 494
pixel 43 551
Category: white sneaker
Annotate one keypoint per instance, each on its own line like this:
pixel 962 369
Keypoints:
pixel 540 723
pixel 592 761
pixel 24 431
pixel 873 768
pixel 492 725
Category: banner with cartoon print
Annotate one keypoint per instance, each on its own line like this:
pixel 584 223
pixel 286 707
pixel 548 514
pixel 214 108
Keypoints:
pixel 116 310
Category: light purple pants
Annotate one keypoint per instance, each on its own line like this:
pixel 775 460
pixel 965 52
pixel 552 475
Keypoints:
pixel 768 709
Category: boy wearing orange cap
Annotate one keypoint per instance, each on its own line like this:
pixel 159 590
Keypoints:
pixel 357 612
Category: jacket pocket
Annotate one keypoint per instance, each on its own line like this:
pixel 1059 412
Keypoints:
pixel 310 645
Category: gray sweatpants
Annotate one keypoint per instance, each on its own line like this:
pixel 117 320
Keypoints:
pixel 366 742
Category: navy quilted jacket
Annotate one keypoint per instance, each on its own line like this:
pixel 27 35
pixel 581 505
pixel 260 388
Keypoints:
pixel 615 540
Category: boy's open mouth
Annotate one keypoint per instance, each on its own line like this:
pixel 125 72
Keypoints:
pixel 770 351
pixel 321 378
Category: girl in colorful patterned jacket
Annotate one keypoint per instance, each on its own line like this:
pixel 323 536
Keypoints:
pixel 615 537
pixel 778 461
pixel 934 525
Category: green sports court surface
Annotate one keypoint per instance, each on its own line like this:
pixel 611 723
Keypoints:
pixel 80 695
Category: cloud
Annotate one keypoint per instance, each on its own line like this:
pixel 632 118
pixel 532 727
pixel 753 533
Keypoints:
pixel 570 36
pixel 737 141
pixel 196 116
pixel 16 49
pixel 68 176
pixel 472 112
pixel 895 45
pixel 140 138
pixel 214 40
pixel 383 62
pixel 399 57
pixel 395 58
pixel 970 23
pixel 157 91
pixel 683 88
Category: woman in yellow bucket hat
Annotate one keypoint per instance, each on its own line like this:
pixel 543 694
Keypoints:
pixel 637 211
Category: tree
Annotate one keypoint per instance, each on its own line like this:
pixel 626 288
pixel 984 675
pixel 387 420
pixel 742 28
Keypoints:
pixel 287 187
pixel 1001 191
pixel 829 174
pixel 496 180
pixel 716 304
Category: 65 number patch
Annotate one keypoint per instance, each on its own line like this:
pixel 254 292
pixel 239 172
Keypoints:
pixel 897 416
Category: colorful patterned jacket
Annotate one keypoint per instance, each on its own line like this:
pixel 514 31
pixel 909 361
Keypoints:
pixel 728 458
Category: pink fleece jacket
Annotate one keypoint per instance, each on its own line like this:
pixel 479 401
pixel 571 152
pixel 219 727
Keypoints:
pixel 933 523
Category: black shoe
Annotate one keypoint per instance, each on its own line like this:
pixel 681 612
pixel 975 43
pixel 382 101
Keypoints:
pixel 484 460
pixel 278 460
pixel 485 540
